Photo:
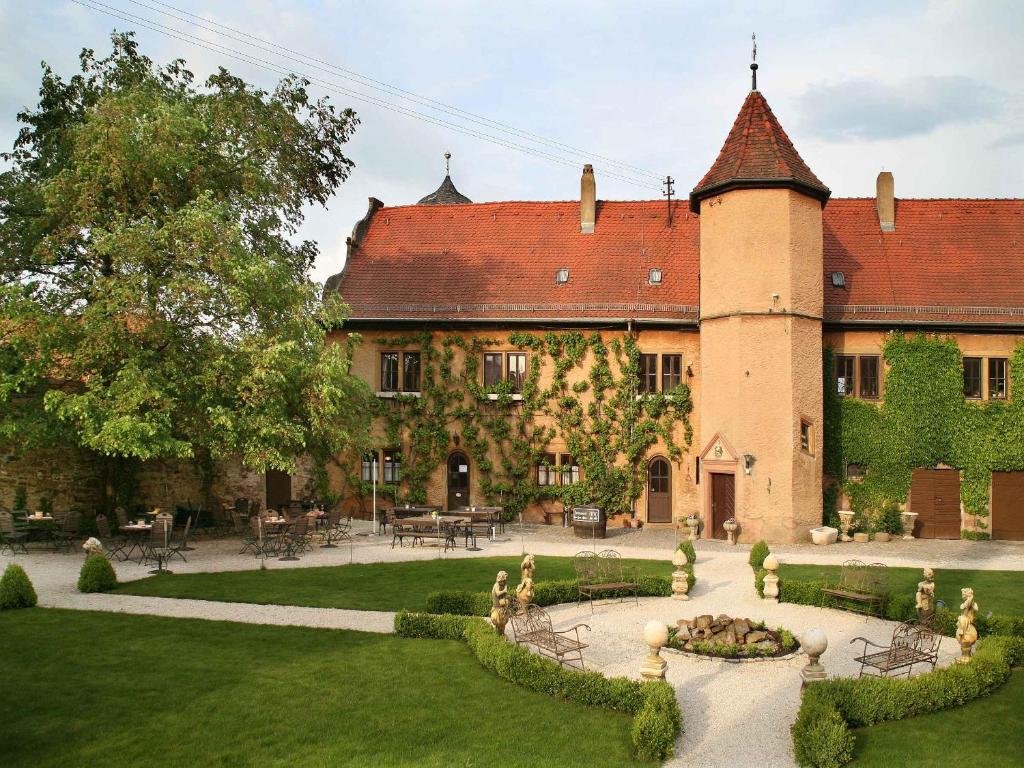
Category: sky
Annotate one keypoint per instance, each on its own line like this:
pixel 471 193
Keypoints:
pixel 932 91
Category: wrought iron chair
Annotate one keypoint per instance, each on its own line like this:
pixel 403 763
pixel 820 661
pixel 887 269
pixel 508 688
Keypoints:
pixel 114 544
pixel 10 537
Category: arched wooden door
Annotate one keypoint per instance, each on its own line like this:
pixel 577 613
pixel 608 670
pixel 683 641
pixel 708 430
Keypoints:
pixel 458 481
pixel 659 491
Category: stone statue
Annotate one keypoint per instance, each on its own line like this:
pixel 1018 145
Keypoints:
pixel 93 546
pixel 925 602
pixel 524 592
pixel 966 632
pixel 500 602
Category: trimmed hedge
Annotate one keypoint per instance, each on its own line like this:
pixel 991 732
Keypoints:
pixel 758 553
pixel 900 607
pixel 465 603
pixel 759 582
pixel 97 575
pixel 657 721
pixel 16 590
pixel 830 708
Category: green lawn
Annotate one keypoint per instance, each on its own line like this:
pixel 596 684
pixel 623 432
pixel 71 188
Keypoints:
pixel 987 732
pixel 1001 592
pixel 374 587
pixel 102 689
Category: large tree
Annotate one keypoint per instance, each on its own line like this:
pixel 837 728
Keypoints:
pixel 153 301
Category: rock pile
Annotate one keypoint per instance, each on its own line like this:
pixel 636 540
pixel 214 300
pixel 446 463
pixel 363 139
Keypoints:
pixel 723 629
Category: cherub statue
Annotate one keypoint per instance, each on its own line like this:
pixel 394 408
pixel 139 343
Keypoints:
pixel 966 632
pixel 925 602
pixel 500 602
pixel 524 592
pixel 93 546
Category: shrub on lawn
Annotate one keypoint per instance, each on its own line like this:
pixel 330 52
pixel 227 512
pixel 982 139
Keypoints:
pixel 97 575
pixel 758 553
pixel 16 590
pixel 759 582
pixel 656 717
pixel 821 737
pixel 459 601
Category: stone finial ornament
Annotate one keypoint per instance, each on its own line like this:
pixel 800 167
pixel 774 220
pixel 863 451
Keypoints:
pixel 524 592
pixel 93 546
pixel 500 602
pixel 966 632
pixel 814 643
pixel 656 637
pixel 680 578
pixel 925 600
pixel 771 579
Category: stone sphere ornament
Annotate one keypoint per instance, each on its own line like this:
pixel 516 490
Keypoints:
pixel 656 637
pixel 814 643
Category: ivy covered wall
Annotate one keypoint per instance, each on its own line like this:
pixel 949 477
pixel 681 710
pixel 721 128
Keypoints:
pixel 579 392
pixel 923 420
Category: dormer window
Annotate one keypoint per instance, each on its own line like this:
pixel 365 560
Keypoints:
pixel 654 276
pixel 562 276
pixel 838 280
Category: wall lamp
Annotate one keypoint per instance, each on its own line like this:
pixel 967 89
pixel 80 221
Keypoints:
pixel 455 438
pixel 748 463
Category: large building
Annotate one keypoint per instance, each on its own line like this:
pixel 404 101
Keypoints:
pixel 731 297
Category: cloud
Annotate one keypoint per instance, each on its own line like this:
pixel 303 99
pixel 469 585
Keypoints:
pixel 1009 140
pixel 871 109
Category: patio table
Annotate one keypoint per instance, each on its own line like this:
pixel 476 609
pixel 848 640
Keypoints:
pixel 137 535
pixel 41 528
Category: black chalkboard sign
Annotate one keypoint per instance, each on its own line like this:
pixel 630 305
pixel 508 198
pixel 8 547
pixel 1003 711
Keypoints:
pixel 586 515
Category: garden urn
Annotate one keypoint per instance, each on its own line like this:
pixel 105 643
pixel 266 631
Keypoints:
pixel 908 519
pixel 845 521
pixel 814 642
pixel 771 580
pixel 730 527
pixel 680 578
pixel 655 636
pixel 693 523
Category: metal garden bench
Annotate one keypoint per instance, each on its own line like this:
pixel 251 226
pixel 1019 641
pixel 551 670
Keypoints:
pixel 533 627
pixel 863 585
pixel 911 644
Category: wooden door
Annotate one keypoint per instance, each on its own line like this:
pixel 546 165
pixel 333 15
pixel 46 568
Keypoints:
pixel 659 491
pixel 723 502
pixel 1008 506
pixel 935 496
pixel 279 488
pixel 458 481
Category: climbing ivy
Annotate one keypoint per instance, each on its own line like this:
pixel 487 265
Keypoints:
pixel 924 420
pixel 591 404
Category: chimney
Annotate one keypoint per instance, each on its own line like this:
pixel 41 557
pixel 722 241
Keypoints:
pixel 885 201
pixel 588 200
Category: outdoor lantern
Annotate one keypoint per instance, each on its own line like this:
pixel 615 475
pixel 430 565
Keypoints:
pixel 455 438
pixel 748 462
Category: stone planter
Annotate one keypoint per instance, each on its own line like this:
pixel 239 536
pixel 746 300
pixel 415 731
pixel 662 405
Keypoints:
pixel 882 536
pixel 824 535
pixel 861 538
pixel 908 519
pixel 730 527
pixel 845 521
pixel 693 523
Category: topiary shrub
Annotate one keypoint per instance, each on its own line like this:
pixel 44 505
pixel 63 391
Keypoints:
pixel 687 546
pixel 16 590
pixel 758 553
pixel 97 575
pixel 433 627
pixel 759 582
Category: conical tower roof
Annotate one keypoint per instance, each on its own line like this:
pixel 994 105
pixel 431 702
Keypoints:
pixel 446 194
pixel 757 154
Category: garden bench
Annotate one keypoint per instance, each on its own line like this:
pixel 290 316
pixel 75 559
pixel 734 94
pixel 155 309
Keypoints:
pixel 911 644
pixel 863 585
pixel 597 574
pixel 533 627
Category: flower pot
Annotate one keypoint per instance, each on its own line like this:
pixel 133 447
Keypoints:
pixel 861 538
pixel 824 535
pixel 882 536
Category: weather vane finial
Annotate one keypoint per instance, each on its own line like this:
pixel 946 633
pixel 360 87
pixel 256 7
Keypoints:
pixel 753 63
pixel 447 164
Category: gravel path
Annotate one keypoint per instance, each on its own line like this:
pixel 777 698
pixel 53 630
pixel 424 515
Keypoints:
pixel 734 714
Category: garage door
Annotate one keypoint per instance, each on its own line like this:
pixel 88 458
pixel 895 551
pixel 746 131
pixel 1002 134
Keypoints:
pixel 1008 505
pixel 935 496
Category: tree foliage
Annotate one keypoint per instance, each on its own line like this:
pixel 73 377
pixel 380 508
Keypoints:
pixel 153 299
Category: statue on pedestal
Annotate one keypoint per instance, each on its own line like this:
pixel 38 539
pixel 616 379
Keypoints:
pixel 524 592
pixel 966 632
pixel 500 602
pixel 925 601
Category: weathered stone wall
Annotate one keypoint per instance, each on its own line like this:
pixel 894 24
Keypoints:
pixel 68 478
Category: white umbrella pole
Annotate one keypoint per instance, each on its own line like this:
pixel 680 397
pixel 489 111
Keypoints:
pixel 373 477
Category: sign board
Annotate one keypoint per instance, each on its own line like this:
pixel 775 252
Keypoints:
pixel 841 386
pixel 586 514
pixel 463 468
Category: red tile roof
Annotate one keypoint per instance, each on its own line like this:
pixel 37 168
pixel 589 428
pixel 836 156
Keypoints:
pixel 757 152
pixel 492 260
pixel 948 261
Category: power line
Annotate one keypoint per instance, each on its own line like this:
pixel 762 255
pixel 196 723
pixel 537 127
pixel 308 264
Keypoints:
pixel 255 61
pixel 380 85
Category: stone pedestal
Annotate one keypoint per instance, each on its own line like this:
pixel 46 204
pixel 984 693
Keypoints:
pixel 771 579
pixel 680 578
pixel 845 521
pixel 694 525
pixel 730 530
pixel 814 643
pixel 655 636
pixel 908 519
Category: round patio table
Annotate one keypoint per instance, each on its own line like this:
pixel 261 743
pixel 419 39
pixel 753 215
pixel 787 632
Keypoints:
pixel 41 528
pixel 136 538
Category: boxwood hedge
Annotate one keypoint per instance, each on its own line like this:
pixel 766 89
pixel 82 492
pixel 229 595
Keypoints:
pixel 657 721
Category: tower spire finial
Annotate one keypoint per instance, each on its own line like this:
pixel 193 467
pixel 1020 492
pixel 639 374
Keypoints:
pixel 447 164
pixel 753 63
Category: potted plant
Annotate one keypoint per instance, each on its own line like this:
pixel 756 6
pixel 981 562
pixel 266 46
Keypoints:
pixel 889 522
